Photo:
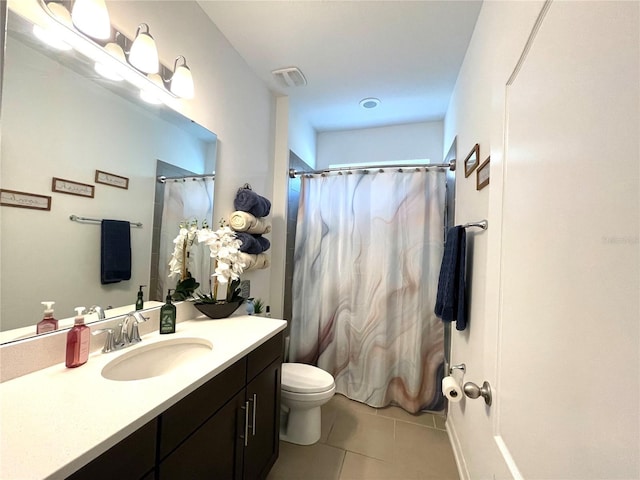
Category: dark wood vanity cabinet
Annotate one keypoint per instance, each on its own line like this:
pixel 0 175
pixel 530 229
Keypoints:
pixel 226 429
pixel 263 401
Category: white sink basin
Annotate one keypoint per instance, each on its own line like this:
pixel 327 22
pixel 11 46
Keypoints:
pixel 156 359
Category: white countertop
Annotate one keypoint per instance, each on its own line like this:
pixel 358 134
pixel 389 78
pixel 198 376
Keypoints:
pixel 56 420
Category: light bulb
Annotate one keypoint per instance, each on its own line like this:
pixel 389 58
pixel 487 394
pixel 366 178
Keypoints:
pixel 144 54
pixel 92 18
pixel 182 80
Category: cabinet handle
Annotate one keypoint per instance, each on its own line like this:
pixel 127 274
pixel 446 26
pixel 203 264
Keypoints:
pixel 246 423
pixel 253 422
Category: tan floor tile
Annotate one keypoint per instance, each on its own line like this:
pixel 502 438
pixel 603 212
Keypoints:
pixel 426 419
pixel 440 422
pixel 328 418
pixel 298 462
pixel 340 402
pixel 425 449
pixel 362 433
pixel 359 467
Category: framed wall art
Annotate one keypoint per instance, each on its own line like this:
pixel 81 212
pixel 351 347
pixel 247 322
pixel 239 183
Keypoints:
pixel 483 174
pixel 111 179
pixel 13 198
pixel 471 162
pixel 70 187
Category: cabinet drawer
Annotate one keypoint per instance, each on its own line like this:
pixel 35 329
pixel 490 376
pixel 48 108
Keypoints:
pixel 264 355
pixel 179 421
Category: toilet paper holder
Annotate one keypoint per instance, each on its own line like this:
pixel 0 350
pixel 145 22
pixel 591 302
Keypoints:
pixel 472 390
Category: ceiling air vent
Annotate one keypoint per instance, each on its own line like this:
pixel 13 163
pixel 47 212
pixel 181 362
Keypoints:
pixel 290 77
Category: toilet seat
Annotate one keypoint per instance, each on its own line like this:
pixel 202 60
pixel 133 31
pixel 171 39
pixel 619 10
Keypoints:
pixel 302 378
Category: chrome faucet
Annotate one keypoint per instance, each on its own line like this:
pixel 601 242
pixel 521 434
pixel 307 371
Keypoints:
pixel 126 336
pixel 97 310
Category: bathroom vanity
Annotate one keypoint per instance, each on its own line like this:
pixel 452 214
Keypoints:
pixel 214 417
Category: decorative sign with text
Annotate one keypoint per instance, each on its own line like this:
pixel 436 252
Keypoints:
pixel 111 179
pixel 12 198
pixel 70 187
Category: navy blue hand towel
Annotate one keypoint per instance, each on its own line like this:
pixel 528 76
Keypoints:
pixel 253 244
pixel 115 251
pixel 451 296
pixel 249 201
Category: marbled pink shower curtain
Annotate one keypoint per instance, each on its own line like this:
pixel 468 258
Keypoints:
pixel 367 257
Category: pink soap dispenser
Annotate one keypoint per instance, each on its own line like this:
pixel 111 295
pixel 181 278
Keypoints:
pixel 48 323
pixel 78 341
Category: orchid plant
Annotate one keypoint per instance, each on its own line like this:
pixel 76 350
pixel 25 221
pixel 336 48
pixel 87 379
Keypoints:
pixel 179 263
pixel 224 248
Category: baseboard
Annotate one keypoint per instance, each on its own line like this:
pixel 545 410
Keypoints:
pixel 463 472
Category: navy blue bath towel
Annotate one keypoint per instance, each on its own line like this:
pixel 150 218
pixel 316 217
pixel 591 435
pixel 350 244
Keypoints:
pixel 249 201
pixel 115 251
pixel 253 244
pixel 451 297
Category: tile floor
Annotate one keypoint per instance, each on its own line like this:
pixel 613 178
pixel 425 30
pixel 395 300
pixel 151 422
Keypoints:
pixel 363 443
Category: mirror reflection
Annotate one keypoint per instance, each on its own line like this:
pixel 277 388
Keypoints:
pixel 61 120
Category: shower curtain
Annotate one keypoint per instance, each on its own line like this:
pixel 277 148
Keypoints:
pixel 184 201
pixel 367 257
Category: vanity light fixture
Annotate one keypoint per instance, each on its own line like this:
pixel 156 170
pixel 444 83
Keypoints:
pixel 117 57
pixel 181 80
pixel 92 18
pixel 144 53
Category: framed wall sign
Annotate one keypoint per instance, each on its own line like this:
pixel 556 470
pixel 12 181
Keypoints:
pixel 111 179
pixel 70 187
pixel 471 162
pixel 13 198
pixel 483 174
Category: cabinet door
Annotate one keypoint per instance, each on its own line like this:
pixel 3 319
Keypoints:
pixel 214 451
pixel 263 395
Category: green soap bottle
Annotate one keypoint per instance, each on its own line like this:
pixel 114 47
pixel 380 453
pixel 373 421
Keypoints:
pixel 168 316
pixel 140 300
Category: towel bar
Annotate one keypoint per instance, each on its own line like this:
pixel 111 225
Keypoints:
pixel 483 224
pixel 76 218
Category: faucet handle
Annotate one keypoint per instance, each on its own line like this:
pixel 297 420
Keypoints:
pixel 109 342
pixel 138 318
pixel 123 340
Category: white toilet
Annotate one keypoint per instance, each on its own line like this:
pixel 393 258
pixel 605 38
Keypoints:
pixel 305 389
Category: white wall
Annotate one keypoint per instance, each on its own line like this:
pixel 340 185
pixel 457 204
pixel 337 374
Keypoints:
pixel 302 136
pixel 483 440
pixel 375 145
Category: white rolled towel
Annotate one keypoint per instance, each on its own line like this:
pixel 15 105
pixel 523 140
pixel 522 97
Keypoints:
pixel 255 262
pixel 245 222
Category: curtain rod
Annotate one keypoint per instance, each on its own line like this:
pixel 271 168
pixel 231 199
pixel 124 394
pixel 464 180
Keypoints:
pixel 163 179
pixel 76 218
pixel 451 166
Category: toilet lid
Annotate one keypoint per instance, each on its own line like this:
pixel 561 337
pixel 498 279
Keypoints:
pixel 302 378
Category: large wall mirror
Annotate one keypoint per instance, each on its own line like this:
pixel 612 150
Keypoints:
pixel 60 119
